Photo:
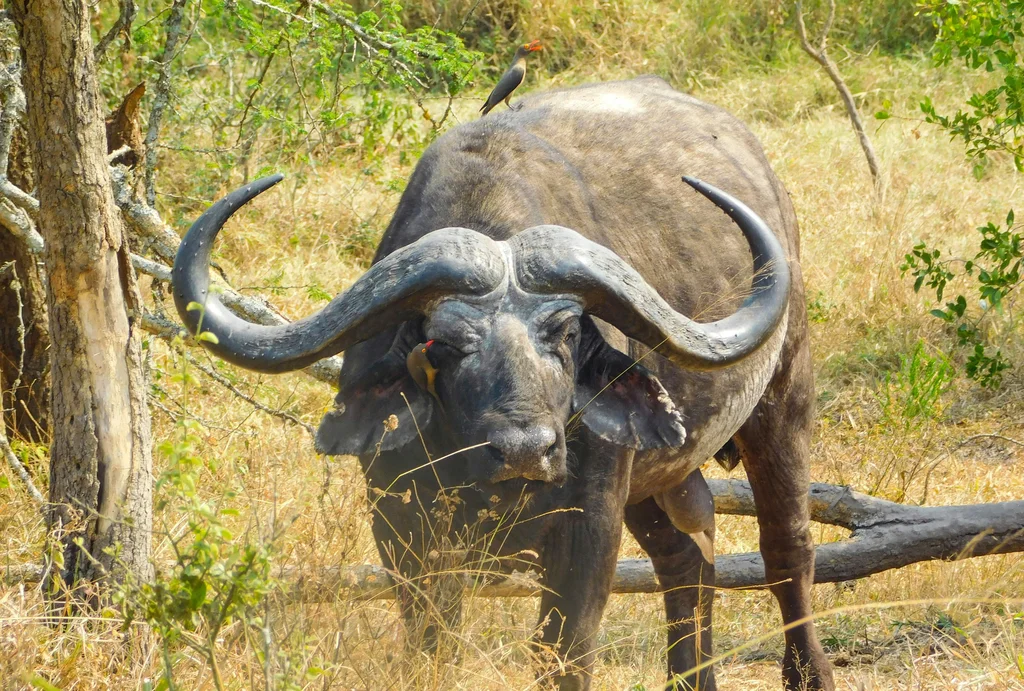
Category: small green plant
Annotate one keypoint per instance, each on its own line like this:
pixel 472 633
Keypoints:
pixel 912 394
pixel 215 578
pixel 910 398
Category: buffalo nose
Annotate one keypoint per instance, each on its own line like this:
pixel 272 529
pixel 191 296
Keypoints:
pixel 526 452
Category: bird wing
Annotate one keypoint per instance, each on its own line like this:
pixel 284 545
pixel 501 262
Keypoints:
pixel 508 83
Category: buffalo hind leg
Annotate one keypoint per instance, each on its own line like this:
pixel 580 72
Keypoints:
pixel 687 581
pixel 775 447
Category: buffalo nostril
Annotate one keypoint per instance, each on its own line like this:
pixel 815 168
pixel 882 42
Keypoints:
pixel 528 451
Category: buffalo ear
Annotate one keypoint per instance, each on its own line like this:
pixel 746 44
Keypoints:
pixel 368 398
pixel 621 401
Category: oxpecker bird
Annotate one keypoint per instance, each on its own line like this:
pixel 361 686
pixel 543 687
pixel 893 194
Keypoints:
pixel 512 78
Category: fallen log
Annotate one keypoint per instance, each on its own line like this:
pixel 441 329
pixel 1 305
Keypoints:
pixel 885 535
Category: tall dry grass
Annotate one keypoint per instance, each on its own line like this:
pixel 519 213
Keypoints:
pixel 865 317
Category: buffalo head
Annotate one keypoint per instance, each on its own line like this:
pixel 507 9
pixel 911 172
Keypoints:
pixel 494 340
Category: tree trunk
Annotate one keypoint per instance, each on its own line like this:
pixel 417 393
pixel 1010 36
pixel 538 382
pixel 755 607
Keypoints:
pixel 24 342
pixel 100 456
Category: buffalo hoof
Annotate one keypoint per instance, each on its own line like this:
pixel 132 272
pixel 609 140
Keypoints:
pixel 809 669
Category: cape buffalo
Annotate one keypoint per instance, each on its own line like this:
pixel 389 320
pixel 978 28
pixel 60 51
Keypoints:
pixel 526 306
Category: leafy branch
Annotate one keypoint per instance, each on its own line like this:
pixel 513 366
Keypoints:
pixel 997 270
pixel 984 34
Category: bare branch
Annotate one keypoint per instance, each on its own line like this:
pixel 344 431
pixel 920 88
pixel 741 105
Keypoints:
pixel 327 370
pixel 143 219
pixel 21 225
pixel 162 94
pixel 118 153
pixel 373 44
pixel 226 383
pixel 820 55
pixel 122 25
pixel 160 327
pixel 13 106
pixel 17 467
pixel 169 331
pixel 828 24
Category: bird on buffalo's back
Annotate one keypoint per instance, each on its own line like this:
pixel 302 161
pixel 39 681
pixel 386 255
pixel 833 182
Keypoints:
pixel 512 78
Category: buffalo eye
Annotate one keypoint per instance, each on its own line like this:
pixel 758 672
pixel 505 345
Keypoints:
pixel 441 352
pixel 571 333
pixel 564 339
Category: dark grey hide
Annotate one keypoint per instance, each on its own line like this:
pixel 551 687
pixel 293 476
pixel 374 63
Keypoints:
pixel 535 261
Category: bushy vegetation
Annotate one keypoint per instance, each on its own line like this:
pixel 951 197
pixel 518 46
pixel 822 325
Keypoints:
pixel 343 98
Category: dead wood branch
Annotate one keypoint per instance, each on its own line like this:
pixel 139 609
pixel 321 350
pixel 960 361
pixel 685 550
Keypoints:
pixel 17 466
pixel 162 94
pixel 122 25
pixel 820 55
pixel 123 129
pixel 885 536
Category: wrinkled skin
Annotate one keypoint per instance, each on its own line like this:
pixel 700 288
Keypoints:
pixel 548 429
pixel 571 421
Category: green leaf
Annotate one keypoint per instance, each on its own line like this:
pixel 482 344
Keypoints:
pixel 193 306
pixel 37 682
pixel 209 337
pixel 198 595
pixel 882 115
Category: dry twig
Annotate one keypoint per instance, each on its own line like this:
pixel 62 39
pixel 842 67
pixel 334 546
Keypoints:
pixel 820 55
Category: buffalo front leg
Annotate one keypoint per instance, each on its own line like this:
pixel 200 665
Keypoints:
pixel 579 567
pixel 775 446
pixel 578 555
pixel 686 577
pixel 429 592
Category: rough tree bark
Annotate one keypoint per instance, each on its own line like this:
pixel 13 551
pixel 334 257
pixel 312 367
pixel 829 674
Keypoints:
pixel 24 331
pixel 100 456
pixel 24 342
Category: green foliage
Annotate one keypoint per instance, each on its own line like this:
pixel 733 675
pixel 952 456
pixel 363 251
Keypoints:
pixel 984 34
pixel 912 394
pixel 259 85
pixel 215 577
pixel 996 271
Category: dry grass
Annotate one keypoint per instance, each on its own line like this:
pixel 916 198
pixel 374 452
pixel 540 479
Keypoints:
pixel 865 317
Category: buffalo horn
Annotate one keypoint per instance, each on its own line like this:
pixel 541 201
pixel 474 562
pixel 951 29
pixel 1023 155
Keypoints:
pixel 398 287
pixel 553 259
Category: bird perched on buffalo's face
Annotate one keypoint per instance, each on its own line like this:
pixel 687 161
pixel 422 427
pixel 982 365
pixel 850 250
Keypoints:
pixel 512 78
